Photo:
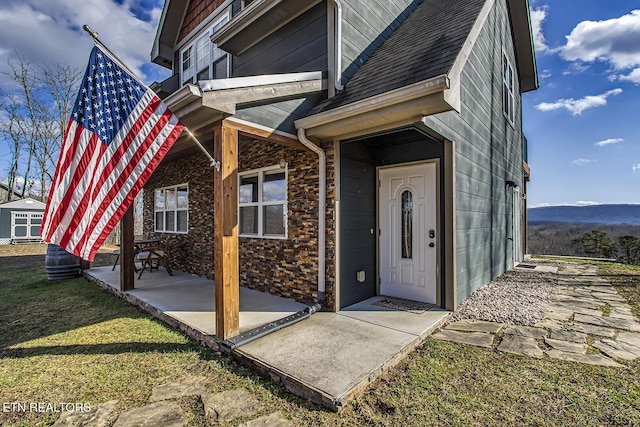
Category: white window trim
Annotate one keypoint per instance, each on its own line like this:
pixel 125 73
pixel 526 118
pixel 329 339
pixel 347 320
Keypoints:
pixel 208 31
pixel 176 210
pixel 260 172
pixel 508 111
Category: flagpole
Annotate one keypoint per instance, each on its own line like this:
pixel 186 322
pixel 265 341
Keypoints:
pixel 215 163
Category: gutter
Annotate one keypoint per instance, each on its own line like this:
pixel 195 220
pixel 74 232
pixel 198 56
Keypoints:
pixel 407 99
pixel 322 202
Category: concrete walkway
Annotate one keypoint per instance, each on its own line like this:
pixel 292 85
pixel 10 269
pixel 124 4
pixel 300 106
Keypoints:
pixel 588 322
pixel 332 357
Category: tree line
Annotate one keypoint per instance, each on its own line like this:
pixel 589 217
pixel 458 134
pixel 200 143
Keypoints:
pixel 35 104
pixel 591 240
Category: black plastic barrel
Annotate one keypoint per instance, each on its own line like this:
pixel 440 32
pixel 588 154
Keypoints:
pixel 60 264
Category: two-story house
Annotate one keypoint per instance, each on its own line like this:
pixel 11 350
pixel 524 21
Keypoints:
pixel 367 147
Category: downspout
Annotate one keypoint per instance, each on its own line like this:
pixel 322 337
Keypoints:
pixel 322 202
pixel 338 48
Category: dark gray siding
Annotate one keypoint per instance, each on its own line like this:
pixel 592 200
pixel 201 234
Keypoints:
pixel 5 223
pixel 488 154
pixel 358 202
pixel 357 219
pixel 299 46
pixel 366 24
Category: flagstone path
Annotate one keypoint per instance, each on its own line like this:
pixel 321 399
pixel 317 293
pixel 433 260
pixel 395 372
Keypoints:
pixel 575 326
pixel 164 411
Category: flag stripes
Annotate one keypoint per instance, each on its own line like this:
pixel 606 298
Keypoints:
pixel 118 134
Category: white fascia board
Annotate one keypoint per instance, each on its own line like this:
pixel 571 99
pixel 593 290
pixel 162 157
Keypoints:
pixel 395 97
pixel 223 95
pixel 452 95
pixel 251 81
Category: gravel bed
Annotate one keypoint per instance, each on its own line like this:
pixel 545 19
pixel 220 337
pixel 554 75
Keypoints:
pixel 517 297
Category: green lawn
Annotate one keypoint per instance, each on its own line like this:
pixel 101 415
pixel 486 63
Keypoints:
pixel 69 341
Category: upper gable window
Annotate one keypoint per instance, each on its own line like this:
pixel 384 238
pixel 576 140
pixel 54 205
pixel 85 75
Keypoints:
pixel 508 91
pixel 203 60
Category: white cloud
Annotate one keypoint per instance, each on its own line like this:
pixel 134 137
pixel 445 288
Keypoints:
pixel 614 41
pixel 635 167
pixel 54 32
pixel 578 203
pixel 544 74
pixel 577 106
pixel 574 69
pixel 537 19
pixel 585 203
pixel 540 205
pixel 608 141
pixel 633 76
pixel 580 162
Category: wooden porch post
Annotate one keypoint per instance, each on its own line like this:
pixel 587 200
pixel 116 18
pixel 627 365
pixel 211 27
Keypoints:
pixel 225 211
pixel 126 251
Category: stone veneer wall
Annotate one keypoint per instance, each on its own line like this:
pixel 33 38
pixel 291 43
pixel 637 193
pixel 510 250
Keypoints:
pixel 192 252
pixel 283 267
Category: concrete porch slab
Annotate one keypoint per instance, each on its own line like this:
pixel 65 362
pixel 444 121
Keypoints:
pixel 332 357
pixel 191 300
pixel 327 358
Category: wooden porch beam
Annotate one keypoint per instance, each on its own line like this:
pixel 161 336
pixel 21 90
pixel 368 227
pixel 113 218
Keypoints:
pixel 265 134
pixel 225 220
pixel 127 253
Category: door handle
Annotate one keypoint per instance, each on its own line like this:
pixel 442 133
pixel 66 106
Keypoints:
pixel 432 234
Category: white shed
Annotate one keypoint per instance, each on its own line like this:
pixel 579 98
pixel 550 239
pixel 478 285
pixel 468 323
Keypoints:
pixel 20 221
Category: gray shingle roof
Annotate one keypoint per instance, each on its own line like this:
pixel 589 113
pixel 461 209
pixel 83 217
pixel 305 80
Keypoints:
pixel 424 46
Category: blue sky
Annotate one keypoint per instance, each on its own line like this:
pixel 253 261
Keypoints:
pixel 583 124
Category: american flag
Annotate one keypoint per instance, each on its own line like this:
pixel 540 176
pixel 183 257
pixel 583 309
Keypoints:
pixel 118 133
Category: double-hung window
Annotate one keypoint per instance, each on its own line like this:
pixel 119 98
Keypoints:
pixel 171 209
pixel 203 60
pixel 508 95
pixel 263 203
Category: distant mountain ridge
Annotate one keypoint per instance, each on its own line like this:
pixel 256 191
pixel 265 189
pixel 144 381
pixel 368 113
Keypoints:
pixel 597 214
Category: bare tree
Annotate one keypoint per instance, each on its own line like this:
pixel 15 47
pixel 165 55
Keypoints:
pixel 36 111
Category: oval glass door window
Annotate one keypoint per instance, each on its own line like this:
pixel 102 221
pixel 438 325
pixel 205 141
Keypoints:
pixel 407 225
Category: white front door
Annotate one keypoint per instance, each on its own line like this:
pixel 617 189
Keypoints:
pixel 407 206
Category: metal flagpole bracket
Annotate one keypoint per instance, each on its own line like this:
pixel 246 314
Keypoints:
pixel 215 163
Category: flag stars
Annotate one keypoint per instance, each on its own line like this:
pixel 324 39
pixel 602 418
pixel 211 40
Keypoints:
pixel 107 97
